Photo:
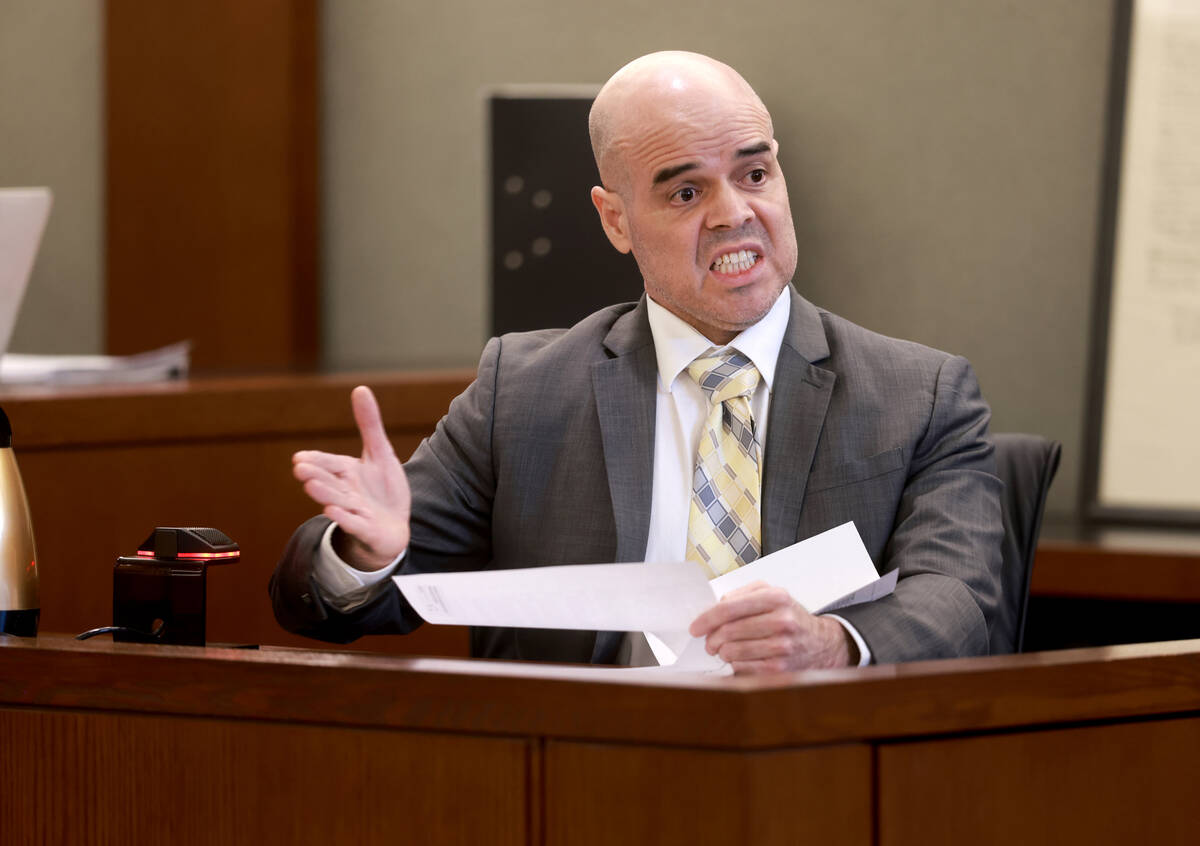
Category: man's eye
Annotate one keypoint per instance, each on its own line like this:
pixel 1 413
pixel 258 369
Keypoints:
pixel 757 175
pixel 685 195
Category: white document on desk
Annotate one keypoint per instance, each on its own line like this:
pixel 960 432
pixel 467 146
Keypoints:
pixel 827 571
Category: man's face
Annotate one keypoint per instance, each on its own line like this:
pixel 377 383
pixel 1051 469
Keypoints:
pixel 705 212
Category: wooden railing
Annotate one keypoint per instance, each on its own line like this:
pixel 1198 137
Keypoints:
pixel 120 743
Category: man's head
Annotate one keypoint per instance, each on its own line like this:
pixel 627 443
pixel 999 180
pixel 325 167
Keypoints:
pixel 691 184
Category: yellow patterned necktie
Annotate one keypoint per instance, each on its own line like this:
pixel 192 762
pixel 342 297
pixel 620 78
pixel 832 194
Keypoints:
pixel 724 521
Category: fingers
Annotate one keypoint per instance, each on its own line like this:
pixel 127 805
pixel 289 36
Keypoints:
pixel 333 475
pixel 330 488
pixel 763 624
pixel 782 639
pixel 325 494
pixel 369 422
pixel 758 629
pixel 761 635
pixel 756 598
pixel 757 649
pixel 337 465
pixel 323 486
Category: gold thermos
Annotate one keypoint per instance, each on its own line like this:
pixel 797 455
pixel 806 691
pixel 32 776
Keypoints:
pixel 19 605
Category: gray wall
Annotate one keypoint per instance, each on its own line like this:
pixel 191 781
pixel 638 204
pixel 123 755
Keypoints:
pixel 943 158
pixel 51 133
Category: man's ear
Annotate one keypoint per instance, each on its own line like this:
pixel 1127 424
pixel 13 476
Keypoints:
pixel 612 217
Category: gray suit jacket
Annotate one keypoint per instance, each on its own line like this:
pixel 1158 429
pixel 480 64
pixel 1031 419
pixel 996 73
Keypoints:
pixel 547 459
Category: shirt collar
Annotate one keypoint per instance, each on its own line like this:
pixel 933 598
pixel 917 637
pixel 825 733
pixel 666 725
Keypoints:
pixel 677 344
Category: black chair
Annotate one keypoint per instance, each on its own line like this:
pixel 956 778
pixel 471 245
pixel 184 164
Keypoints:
pixel 1026 464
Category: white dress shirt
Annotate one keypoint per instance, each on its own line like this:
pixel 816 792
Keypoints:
pixel 681 409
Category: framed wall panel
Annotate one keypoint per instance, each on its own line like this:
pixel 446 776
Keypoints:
pixel 551 264
pixel 1144 437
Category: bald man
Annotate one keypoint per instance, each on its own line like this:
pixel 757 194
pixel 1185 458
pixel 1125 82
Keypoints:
pixel 596 443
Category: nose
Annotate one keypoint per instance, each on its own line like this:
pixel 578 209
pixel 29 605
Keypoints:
pixel 728 208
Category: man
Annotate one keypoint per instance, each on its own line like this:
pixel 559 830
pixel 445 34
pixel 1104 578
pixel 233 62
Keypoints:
pixel 607 441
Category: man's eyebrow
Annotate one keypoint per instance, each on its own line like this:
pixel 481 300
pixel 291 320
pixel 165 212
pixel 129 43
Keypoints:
pixel 747 152
pixel 668 173
pixel 671 172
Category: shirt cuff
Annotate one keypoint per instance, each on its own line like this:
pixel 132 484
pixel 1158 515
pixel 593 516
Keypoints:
pixel 343 587
pixel 864 652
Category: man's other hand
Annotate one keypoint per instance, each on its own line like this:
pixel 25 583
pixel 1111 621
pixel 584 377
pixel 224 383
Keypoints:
pixel 368 497
pixel 761 629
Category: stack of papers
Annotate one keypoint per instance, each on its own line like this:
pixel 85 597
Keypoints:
pixel 169 362
pixel 828 571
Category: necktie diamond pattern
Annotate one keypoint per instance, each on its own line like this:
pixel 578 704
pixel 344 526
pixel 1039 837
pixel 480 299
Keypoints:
pixel 724 521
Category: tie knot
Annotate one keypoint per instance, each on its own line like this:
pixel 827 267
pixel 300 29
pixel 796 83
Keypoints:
pixel 725 376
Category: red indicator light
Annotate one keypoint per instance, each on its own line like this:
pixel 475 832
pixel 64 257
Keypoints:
pixel 31 568
pixel 149 553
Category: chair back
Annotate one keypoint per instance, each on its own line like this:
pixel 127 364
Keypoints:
pixel 1026 464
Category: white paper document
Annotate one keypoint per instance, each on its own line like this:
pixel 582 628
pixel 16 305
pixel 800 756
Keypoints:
pixel 830 570
pixel 169 362
pixel 607 597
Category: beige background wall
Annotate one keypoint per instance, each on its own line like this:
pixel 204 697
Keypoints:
pixel 943 158
pixel 51 133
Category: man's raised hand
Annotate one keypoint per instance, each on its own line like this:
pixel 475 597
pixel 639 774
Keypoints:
pixel 368 497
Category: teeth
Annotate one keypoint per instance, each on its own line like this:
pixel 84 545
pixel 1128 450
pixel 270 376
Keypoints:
pixel 735 262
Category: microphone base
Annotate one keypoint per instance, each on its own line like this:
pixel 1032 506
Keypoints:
pixel 22 623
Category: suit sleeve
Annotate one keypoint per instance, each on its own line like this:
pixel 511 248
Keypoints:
pixel 946 537
pixel 453 484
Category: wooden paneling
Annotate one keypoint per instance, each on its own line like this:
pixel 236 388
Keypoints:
pixel 1107 784
pixel 211 195
pixel 1133 570
pixel 1094 746
pixel 604 794
pixel 88 778
pixel 103 467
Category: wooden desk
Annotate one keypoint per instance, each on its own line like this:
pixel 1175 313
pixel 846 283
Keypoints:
pixel 1117 564
pixel 103 466
pixel 119 743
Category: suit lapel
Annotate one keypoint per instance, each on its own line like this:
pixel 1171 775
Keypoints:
pixel 624 388
pixel 625 401
pixel 799 402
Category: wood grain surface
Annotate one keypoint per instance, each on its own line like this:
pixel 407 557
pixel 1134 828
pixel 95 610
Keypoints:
pixel 1133 783
pixel 211 157
pixel 85 778
pixel 292 746
pixel 685 797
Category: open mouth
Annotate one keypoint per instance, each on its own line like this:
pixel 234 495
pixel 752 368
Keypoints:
pixel 738 261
